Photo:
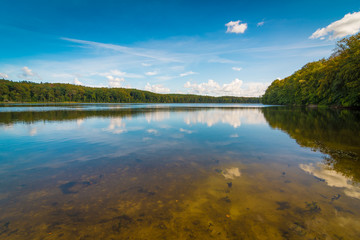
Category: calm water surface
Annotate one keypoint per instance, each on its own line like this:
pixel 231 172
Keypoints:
pixel 178 171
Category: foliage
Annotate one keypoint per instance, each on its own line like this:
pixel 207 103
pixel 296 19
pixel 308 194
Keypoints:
pixel 11 91
pixel 332 81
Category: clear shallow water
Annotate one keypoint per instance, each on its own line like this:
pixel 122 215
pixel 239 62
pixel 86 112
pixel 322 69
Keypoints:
pixel 178 171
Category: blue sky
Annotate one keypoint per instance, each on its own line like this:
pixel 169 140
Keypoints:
pixel 204 47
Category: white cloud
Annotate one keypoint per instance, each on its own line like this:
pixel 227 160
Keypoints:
pixel 115 82
pixel 77 82
pixel 235 135
pixel 210 87
pixel 139 52
pixel 158 88
pixel 4 76
pixel 218 59
pixel 236 68
pixel 234 88
pixel 151 73
pixel 236 27
pixel 177 68
pixel 62 75
pixel 348 25
pixel 259 24
pixel 187 73
pixel 164 78
pixel 28 73
pixel 118 73
pixel 146 64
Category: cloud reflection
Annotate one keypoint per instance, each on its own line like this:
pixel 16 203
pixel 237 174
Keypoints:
pixel 79 122
pixel 332 178
pixel 152 131
pixel 8 126
pixel 185 131
pixel 157 116
pixel 231 173
pixel 116 126
pixel 32 131
pixel 233 117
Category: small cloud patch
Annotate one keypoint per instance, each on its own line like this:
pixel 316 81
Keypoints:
pixel 151 73
pixel 187 73
pixel 115 82
pixel 4 76
pixel 259 24
pixel 237 68
pixel 157 88
pixel 77 82
pixel 28 74
pixel 236 27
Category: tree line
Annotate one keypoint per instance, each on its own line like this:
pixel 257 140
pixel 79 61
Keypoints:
pixel 25 91
pixel 332 81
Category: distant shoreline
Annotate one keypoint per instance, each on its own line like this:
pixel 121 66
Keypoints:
pixel 31 92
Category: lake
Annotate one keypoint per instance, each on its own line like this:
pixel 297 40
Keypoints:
pixel 178 171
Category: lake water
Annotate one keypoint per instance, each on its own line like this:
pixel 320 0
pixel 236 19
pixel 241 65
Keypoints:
pixel 178 171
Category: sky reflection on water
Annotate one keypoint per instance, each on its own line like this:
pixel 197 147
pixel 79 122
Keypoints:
pixel 221 164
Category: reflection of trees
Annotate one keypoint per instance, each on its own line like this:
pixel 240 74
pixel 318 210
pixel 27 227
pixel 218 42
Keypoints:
pixel 209 115
pixel 8 118
pixel 62 115
pixel 333 132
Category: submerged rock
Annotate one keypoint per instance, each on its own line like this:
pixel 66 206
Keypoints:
pixel 312 207
pixel 66 188
pixel 335 197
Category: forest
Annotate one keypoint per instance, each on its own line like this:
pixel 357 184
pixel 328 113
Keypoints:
pixel 332 82
pixel 11 91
